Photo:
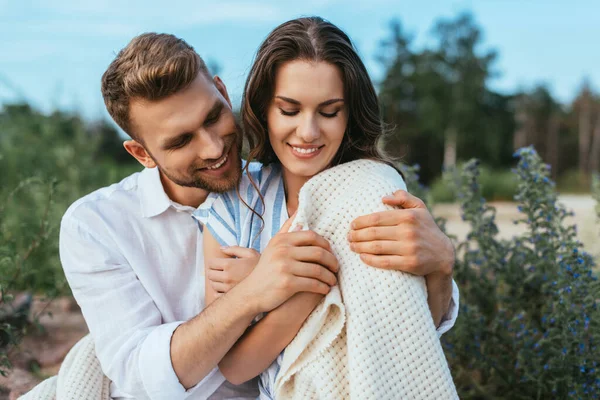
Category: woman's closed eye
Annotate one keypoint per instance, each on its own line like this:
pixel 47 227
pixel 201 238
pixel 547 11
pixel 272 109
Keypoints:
pixel 287 113
pixel 295 112
pixel 329 115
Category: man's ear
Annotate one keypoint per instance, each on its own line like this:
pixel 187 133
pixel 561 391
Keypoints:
pixel 139 152
pixel 222 89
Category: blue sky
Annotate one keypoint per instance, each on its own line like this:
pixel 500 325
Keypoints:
pixel 53 53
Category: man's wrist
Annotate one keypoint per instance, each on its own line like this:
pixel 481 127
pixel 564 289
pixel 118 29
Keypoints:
pixel 244 296
pixel 447 264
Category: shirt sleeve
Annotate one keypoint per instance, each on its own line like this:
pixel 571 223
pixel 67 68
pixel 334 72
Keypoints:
pixel 449 319
pixel 131 341
pixel 220 214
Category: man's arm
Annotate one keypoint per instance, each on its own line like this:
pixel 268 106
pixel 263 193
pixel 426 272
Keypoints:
pixel 407 239
pixel 145 357
pixel 288 256
pixel 263 342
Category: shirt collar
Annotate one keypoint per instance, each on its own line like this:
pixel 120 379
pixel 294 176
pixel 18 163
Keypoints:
pixel 153 199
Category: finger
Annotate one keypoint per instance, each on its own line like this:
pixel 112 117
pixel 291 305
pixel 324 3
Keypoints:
pixel 216 276
pixel 395 263
pixel 307 238
pixel 314 271
pixel 298 228
pixel 401 198
pixel 220 287
pixel 218 264
pixel 302 284
pixel 316 255
pixel 240 252
pixel 377 247
pixel 374 233
pixel 382 218
pixel 387 218
pixel 288 224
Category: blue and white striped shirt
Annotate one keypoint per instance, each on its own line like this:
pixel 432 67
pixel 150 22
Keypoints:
pixel 232 223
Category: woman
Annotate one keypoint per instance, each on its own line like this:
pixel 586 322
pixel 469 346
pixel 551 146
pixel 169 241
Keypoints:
pixel 308 105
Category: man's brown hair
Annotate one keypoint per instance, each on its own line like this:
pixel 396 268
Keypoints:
pixel 151 67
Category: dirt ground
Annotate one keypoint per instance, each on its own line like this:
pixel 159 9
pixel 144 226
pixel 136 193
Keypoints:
pixel 43 352
pixel 583 206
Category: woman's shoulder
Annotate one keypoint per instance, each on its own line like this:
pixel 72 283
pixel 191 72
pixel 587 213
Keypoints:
pixel 258 177
pixel 254 176
pixel 364 174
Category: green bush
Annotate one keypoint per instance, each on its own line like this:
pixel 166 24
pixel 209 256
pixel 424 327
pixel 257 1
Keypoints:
pixel 573 181
pixel 596 192
pixel 61 148
pixel 529 324
pixel 47 162
pixel 495 186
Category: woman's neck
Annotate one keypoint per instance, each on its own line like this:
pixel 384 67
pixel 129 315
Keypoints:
pixel 292 184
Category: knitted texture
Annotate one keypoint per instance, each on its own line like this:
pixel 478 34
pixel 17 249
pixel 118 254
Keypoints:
pixel 80 377
pixel 373 336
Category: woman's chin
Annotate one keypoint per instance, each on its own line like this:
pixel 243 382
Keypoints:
pixel 305 171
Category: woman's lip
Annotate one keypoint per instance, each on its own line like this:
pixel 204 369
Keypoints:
pixel 306 146
pixel 306 155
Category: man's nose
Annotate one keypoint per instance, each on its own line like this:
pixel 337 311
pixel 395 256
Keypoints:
pixel 212 146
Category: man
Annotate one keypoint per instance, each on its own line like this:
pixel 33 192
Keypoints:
pixel 133 254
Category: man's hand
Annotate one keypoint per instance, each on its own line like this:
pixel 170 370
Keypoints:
pixel 224 273
pixel 292 262
pixel 408 240
pixel 405 239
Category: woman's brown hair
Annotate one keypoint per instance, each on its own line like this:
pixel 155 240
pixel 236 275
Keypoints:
pixel 312 39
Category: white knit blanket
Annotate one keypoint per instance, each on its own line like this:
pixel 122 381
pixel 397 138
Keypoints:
pixel 80 377
pixel 373 336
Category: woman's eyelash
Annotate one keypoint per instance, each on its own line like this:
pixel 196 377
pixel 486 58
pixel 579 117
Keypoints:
pixel 333 114
pixel 292 113
pixel 288 113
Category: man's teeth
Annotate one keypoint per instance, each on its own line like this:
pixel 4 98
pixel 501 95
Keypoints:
pixel 305 151
pixel 219 165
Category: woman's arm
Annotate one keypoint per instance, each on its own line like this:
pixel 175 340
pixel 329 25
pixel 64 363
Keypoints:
pixel 263 342
pixel 212 249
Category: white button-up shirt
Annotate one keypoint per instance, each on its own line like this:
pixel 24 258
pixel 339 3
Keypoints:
pixel 134 261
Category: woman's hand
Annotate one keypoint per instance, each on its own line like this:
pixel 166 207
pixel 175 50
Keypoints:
pixel 224 273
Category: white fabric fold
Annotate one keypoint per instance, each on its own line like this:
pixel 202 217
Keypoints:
pixel 373 336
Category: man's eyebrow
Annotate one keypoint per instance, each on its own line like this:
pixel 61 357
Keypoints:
pixel 296 102
pixel 214 111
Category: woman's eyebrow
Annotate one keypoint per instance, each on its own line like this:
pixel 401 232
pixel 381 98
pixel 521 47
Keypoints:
pixel 287 99
pixel 296 102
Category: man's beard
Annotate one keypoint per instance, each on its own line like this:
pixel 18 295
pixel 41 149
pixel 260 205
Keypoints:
pixel 194 177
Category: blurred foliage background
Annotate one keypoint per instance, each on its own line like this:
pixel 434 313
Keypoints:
pixel 441 112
